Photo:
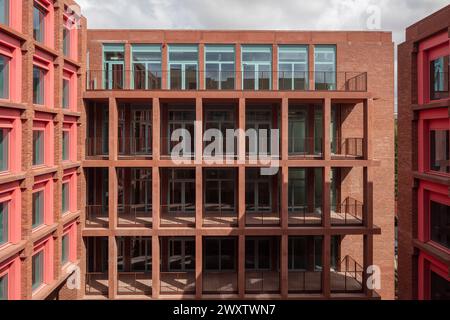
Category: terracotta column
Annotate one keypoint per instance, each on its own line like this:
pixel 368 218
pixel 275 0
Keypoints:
pixel 112 267
pixel 368 110
pixel 284 275
pixel 155 267
pixel 198 267
pixel 326 129
pixel 241 266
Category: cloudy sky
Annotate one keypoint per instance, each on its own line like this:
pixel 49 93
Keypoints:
pixel 389 15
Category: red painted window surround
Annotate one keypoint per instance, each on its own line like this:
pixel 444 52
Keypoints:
pixel 426 265
pixel 47 247
pixel 427 192
pixel 44 121
pixel 70 74
pixel 71 230
pixel 10 193
pixel 10 119
pixel 11 267
pixel 45 62
pixel 45 183
pixel 15 15
pixel 429 50
pixel 433 119
pixel 70 176
pixel 49 22
pixel 71 24
pixel 70 125
pixel 10 48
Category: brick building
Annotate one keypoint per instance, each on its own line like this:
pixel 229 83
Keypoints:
pixel 148 227
pixel 424 167
pixel 40 108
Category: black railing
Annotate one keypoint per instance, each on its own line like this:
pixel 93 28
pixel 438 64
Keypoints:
pixel 120 79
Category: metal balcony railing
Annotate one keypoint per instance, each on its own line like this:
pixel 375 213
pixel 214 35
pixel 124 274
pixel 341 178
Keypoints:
pixel 220 282
pixel 349 212
pixel 177 282
pixel 216 215
pixel 134 283
pixel 305 147
pixel 267 217
pixel 348 277
pixel 97 147
pixel 175 215
pixel 96 283
pixel 97 216
pixel 304 281
pixel 135 147
pixel 137 215
pixel 348 147
pixel 304 216
pixel 262 281
pixel 120 79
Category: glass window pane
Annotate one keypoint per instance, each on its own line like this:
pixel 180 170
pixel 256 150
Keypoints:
pixel 37 270
pixel 65 249
pixel 191 77
pixel 440 223
pixel 211 254
pixel 66 94
pixel 4 219
pixel 38 23
pixel 325 67
pixel 65 197
pixel 250 254
pixel 38 85
pixel 4 287
pixel 4 77
pixel 228 254
pixel 4 12
pixel 65 145
pixel 38 147
pixel 66 41
pixel 175 77
pixel 440 150
pixel 4 149
pixel 38 209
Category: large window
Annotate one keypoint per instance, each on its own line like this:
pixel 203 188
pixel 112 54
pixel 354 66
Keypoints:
pixel 65 249
pixel 38 147
pixel 258 191
pixel 137 140
pixel 257 67
pixel 300 142
pixel 220 190
pixel 4 225
pixel 181 254
pixel 325 67
pixel 259 121
pixel 39 14
pixel 305 253
pixel 4 77
pixel 37 270
pixel 38 85
pixel 4 149
pixel 184 120
pixel 439 287
pixel 182 190
pixel 301 184
pixel 66 94
pixel 113 65
pixel 4 12
pixel 440 150
pixel 220 254
pixel 65 199
pixel 146 63
pixel 66 40
pixel 219 67
pixel 38 209
pixel 135 188
pixel 139 255
pixel 439 76
pixel 293 68
pixel 440 223
pixel 4 287
pixel 222 120
pixel 258 253
pixel 183 67
pixel 65 145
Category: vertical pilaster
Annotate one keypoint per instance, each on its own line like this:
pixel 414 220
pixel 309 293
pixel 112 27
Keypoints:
pixel 368 110
pixel 284 276
pixel 238 67
pixel 155 267
pixel 165 66
pixel 198 197
pixel 112 197
pixel 284 129
pixel 198 130
pixel 326 266
pixel 241 266
pixel 198 267
pixel 113 127
pixel 156 212
pixel 284 197
pixel 241 197
pixel 156 129
pixel 326 129
pixel 275 67
pixel 241 127
pixel 311 75
pixel 201 64
pixel 112 267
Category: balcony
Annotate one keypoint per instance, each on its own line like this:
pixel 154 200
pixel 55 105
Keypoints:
pixel 135 148
pixel 97 190
pixel 97 130
pixel 305 281
pixel 347 277
pixel 178 283
pixel 225 282
pixel 227 80
pixel 349 212
pixel 347 148
pixel 134 283
pixel 137 215
pixel 96 284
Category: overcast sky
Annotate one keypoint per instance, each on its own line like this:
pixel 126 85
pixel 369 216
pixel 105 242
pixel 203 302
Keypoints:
pixel 388 15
